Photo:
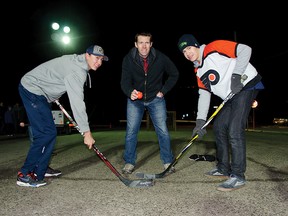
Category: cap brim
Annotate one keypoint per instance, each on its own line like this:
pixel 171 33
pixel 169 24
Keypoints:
pixel 105 57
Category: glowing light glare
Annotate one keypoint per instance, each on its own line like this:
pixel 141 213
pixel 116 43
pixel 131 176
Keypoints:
pixel 66 29
pixel 66 40
pixel 55 36
pixel 55 26
pixel 254 104
pixel 62 34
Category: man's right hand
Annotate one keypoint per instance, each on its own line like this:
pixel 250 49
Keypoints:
pixel 88 139
pixel 134 95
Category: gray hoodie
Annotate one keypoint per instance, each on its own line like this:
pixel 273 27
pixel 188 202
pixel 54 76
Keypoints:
pixel 53 78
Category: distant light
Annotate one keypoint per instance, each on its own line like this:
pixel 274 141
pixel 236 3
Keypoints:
pixel 55 26
pixel 254 104
pixel 66 29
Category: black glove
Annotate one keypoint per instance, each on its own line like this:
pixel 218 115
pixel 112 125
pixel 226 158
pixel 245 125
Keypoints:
pixel 198 130
pixel 236 84
pixel 197 157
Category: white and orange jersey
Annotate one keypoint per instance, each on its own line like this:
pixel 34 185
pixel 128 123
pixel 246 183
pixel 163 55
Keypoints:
pixel 217 65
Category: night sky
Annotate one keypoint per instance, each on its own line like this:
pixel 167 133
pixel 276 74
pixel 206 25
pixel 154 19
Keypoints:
pixel 27 41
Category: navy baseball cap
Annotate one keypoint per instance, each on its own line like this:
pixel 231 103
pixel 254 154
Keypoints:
pixel 97 51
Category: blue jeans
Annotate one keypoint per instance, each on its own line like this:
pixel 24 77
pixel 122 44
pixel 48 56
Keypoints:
pixel 43 132
pixel 229 129
pixel 158 113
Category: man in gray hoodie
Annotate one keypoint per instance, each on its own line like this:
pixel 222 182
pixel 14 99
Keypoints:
pixel 38 89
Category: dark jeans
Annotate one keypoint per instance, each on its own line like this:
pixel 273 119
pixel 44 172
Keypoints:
pixel 229 129
pixel 44 133
pixel 158 113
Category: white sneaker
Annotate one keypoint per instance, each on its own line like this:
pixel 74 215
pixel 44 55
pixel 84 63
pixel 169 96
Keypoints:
pixel 231 184
pixel 128 168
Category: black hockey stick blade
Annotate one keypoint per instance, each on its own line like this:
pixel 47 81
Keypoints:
pixel 137 183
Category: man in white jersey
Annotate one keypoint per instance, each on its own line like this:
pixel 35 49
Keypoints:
pixel 222 67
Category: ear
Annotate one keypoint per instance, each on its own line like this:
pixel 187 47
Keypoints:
pixel 135 43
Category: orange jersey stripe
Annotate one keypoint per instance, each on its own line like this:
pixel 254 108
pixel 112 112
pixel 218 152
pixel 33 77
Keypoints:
pixel 222 47
pixel 226 48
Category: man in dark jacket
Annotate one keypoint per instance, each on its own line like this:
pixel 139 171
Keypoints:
pixel 147 70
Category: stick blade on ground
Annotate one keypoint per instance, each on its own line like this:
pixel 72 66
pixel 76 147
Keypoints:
pixel 138 183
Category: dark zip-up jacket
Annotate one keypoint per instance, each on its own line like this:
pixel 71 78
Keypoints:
pixel 162 74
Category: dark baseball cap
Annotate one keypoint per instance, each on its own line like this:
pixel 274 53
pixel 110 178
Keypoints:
pixel 97 51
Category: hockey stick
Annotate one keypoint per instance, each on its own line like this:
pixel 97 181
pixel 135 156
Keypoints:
pixel 162 174
pixel 137 183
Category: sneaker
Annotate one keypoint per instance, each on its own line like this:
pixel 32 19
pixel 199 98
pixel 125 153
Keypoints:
pixel 29 180
pixel 232 183
pixel 128 169
pixel 172 169
pixel 52 172
pixel 216 173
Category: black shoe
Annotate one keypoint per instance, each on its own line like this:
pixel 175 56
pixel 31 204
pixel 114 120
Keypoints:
pixel 52 173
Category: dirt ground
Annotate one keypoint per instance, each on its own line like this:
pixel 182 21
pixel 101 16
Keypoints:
pixel 88 187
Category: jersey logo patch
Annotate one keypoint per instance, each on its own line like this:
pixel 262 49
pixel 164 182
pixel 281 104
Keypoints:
pixel 211 77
